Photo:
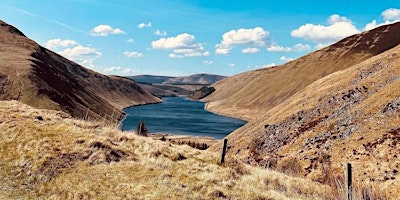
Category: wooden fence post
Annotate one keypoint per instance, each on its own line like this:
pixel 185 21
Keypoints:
pixel 224 151
pixel 349 181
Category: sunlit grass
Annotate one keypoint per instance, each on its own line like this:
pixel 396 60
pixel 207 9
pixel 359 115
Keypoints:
pixel 63 158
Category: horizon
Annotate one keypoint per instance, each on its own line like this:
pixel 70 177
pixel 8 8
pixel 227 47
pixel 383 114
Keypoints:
pixel 180 38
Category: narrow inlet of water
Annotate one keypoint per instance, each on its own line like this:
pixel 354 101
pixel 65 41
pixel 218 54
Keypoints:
pixel 180 116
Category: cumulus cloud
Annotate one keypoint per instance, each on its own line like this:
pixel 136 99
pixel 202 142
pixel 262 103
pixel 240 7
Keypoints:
pixel 133 54
pixel 130 40
pixel 277 48
pixel 81 54
pixel 297 48
pixel 339 27
pixel 144 25
pixel 390 15
pixel 231 65
pixel 160 33
pixel 322 45
pixel 208 62
pixel 172 55
pixel 256 37
pixel 105 30
pixel 250 50
pixel 285 59
pixel 301 47
pixel 182 45
pixel 72 50
pixel 335 18
pixel 56 43
pixel 119 71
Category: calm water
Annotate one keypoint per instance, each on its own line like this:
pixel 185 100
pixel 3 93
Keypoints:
pixel 177 115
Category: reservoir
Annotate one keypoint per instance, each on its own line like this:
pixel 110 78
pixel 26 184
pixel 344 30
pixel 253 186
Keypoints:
pixel 180 116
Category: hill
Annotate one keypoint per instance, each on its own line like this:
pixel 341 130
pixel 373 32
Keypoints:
pixel 196 79
pixel 349 116
pixel 166 86
pixel 41 78
pixel 47 154
pixel 250 94
pixel 152 79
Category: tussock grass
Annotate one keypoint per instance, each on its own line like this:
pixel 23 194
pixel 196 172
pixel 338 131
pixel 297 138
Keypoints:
pixel 48 155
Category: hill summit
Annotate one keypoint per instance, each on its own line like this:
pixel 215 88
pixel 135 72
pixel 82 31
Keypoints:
pixel 41 78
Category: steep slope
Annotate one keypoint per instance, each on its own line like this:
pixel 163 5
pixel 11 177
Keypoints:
pixel 352 115
pixel 250 94
pixel 41 78
pixel 203 79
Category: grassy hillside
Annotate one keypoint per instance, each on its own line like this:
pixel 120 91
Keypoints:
pixel 352 115
pixel 41 78
pixel 249 95
pixel 47 154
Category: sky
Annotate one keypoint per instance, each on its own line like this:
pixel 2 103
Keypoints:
pixel 184 37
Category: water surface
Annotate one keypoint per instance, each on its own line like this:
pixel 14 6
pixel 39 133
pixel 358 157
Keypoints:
pixel 177 115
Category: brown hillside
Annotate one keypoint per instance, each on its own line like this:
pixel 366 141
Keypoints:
pixel 41 78
pixel 352 115
pixel 250 94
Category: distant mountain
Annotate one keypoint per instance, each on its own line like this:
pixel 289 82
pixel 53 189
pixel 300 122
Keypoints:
pixel 196 79
pixel 152 79
pixel 166 86
pixel 41 78
pixel 201 79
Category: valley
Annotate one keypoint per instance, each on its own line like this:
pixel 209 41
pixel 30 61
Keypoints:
pixel 70 132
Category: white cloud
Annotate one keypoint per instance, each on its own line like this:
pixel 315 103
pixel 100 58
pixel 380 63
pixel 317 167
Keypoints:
pixel 277 48
pixel 391 14
pixel 297 47
pixel 105 30
pixel 285 59
pixel 172 55
pixel 339 28
pixel 322 45
pixel 250 50
pixel 251 37
pixel 231 65
pixel 72 50
pixel 133 54
pixel 130 40
pixel 182 45
pixel 160 33
pixel 56 43
pixel 119 70
pixel 144 25
pixel 208 62
pixel 82 55
pixel 301 47
pixel 335 18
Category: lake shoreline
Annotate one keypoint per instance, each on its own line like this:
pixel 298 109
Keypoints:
pixel 174 138
pixel 181 116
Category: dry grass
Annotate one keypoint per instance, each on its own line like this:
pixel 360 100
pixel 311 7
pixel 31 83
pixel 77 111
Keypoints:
pixel 46 154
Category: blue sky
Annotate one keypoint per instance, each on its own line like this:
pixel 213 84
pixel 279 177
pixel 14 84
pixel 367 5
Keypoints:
pixel 184 37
